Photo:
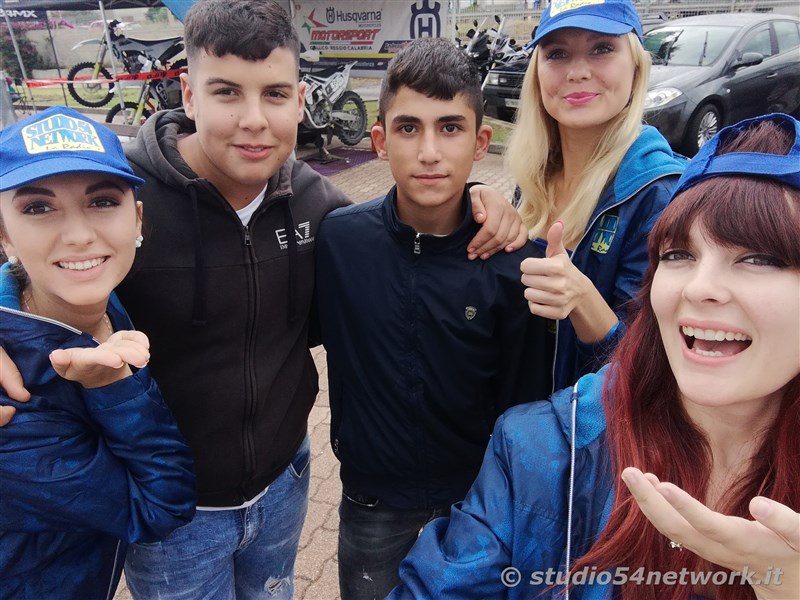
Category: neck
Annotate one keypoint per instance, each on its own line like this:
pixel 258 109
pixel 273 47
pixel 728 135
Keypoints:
pixel 434 220
pixel 88 319
pixel 577 148
pixel 237 195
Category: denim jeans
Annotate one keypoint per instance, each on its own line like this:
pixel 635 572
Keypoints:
pixel 373 541
pixel 241 554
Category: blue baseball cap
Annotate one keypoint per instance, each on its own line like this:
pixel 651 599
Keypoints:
pixel 59 140
pixel 614 17
pixel 782 168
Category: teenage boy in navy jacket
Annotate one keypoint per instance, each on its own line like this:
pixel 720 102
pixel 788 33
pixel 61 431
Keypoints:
pixel 425 348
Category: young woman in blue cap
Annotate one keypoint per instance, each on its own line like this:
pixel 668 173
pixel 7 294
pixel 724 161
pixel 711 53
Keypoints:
pixel 593 179
pixel 93 460
pixel 702 392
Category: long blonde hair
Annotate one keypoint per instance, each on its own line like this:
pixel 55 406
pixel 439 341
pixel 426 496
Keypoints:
pixel 534 151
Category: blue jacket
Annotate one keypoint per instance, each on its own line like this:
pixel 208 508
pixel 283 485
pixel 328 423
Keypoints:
pixel 613 250
pixel 516 513
pixel 425 350
pixel 83 472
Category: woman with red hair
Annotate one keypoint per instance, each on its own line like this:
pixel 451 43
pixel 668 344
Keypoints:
pixel 703 392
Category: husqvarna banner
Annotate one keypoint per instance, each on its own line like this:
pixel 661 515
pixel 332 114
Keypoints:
pixel 367 32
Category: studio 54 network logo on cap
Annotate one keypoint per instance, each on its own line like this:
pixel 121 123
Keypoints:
pixel 60 133
pixel 559 6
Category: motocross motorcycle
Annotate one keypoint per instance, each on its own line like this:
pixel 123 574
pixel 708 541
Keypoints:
pixel 331 109
pixel 131 53
pixel 160 90
pixel 489 47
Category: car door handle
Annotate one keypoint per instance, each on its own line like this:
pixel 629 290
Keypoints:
pixel 771 75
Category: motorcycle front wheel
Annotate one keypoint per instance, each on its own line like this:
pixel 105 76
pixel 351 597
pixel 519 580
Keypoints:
pixel 350 128
pixel 94 94
pixel 117 115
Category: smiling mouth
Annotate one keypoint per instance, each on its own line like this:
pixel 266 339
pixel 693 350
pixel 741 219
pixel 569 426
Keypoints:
pixel 715 342
pixel 82 265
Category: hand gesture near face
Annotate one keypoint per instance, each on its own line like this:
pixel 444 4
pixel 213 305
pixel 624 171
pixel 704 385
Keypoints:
pixel 103 364
pixel 769 545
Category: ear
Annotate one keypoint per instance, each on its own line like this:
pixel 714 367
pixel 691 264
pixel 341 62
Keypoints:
pixel 188 95
pixel 378 134
pixel 482 142
pixel 139 212
pixel 301 100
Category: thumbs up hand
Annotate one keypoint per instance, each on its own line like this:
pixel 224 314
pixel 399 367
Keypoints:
pixel 554 286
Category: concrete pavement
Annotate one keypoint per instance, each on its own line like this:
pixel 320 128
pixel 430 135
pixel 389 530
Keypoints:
pixel 316 576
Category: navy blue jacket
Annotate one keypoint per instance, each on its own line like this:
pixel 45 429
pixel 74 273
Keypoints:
pixel 425 350
pixel 516 513
pixel 613 250
pixel 83 472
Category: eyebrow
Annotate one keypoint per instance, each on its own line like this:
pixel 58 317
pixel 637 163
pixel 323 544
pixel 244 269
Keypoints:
pixel 32 190
pixel 281 85
pixel 410 119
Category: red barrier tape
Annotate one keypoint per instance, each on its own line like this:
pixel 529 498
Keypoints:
pixel 149 75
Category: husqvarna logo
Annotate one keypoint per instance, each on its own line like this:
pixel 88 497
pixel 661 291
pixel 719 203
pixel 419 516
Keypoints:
pixel 302 235
pixel 330 14
pixel 425 20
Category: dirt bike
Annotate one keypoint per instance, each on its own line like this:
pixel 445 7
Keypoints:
pixel 331 108
pixel 160 90
pixel 131 53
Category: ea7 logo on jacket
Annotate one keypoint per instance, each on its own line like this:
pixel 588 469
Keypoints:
pixel 302 235
pixel 604 235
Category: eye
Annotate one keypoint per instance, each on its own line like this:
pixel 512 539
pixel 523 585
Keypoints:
pixel 104 202
pixel 451 128
pixel 603 48
pixel 406 129
pixel 673 255
pixel 763 260
pixel 224 92
pixel 277 94
pixel 36 208
pixel 555 54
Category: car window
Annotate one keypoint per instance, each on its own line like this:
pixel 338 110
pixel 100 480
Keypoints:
pixel 788 35
pixel 757 41
pixel 687 46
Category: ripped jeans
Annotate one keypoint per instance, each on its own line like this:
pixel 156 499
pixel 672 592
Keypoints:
pixel 240 554
pixel 373 541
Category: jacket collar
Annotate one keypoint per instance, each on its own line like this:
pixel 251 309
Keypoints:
pixel 429 244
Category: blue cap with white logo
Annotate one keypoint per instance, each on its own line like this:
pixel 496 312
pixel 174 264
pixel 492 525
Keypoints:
pixel 59 140
pixel 782 168
pixel 613 17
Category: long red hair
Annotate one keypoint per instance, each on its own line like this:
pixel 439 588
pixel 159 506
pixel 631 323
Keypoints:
pixel 647 426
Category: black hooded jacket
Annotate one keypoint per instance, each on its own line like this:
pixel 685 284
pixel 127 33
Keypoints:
pixel 227 310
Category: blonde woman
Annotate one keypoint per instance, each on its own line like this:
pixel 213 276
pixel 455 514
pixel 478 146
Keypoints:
pixel 593 180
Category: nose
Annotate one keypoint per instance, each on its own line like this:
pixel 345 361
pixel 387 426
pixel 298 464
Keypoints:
pixel 707 284
pixel 253 117
pixel 78 230
pixel 579 69
pixel 429 148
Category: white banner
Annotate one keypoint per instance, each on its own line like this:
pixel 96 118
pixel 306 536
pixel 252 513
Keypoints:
pixel 367 32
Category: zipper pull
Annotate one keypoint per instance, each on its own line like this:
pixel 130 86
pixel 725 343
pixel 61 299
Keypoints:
pixel 416 245
pixel 247 241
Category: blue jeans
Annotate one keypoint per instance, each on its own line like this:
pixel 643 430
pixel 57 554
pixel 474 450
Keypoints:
pixel 241 554
pixel 373 541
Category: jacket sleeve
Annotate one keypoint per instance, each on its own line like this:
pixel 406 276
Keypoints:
pixel 126 471
pixel 462 557
pixel 652 201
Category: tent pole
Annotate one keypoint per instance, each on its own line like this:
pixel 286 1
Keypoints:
pixel 55 55
pixel 109 45
pixel 19 56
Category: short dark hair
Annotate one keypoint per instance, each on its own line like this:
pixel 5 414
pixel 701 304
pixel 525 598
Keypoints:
pixel 436 68
pixel 249 29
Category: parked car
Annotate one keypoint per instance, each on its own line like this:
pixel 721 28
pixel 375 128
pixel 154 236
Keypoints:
pixel 713 70
pixel 503 84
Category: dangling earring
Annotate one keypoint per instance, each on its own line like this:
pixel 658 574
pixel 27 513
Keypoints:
pixel 138 242
pixel 13 260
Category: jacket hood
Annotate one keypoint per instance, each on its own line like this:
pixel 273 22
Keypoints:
pixel 649 158
pixel 587 395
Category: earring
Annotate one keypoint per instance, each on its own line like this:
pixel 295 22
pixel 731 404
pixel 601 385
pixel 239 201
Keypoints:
pixel 138 242
pixel 13 260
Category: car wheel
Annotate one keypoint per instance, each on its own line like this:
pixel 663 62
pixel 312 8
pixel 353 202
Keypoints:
pixel 704 125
